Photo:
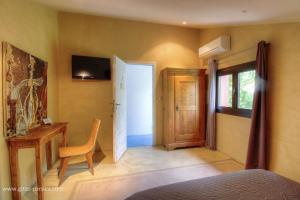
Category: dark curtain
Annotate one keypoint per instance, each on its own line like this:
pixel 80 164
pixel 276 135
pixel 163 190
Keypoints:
pixel 211 110
pixel 257 147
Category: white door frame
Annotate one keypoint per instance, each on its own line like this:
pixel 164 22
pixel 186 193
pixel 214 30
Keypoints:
pixel 153 65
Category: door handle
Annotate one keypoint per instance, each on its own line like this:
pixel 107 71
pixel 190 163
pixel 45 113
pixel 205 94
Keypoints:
pixel 177 108
pixel 114 107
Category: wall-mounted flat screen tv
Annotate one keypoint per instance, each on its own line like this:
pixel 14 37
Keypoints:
pixel 92 68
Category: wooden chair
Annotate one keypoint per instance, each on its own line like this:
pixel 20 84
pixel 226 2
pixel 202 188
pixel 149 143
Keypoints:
pixel 66 152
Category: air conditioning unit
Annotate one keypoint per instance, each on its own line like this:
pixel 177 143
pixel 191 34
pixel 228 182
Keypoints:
pixel 215 47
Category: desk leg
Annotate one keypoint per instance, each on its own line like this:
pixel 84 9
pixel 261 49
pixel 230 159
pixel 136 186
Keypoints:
pixel 49 154
pixel 39 175
pixel 14 171
pixel 64 139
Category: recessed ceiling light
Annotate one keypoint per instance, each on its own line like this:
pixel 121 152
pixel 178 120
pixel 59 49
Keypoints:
pixel 184 22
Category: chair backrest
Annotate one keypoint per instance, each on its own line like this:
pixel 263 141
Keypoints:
pixel 93 137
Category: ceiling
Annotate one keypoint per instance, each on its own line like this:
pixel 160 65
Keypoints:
pixel 196 13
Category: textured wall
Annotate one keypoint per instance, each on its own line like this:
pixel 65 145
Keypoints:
pixel 284 73
pixel 80 101
pixel 34 29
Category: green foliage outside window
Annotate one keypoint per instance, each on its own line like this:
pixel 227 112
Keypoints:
pixel 230 90
pixel 246 89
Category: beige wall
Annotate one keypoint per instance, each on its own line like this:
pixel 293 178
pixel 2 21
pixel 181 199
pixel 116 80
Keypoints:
pixel 284 73
pixel 80 101
pixel 34 29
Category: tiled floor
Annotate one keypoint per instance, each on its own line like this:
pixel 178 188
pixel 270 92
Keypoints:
pixel 127 185
pixel 135 160
pixel 139 140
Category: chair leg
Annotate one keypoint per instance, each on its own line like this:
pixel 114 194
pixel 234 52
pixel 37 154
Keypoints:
pixel 60 166
pixel 89 158
pixel 63 168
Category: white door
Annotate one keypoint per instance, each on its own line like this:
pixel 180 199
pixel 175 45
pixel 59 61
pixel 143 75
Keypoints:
pixel 119 106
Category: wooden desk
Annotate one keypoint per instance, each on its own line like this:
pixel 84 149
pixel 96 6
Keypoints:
pixel 34 139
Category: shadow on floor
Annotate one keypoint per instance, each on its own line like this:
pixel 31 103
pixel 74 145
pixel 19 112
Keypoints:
pixel 79 164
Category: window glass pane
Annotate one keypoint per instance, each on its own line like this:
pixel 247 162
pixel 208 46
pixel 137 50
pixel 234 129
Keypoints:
pixel 246 81
pixel 225 91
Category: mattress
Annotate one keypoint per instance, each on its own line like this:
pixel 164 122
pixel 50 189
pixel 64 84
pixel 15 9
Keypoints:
pixel 243 185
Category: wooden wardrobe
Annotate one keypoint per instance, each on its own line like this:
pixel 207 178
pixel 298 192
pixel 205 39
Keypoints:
pixel 184 103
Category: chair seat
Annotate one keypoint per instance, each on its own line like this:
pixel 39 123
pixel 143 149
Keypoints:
pixel 73 151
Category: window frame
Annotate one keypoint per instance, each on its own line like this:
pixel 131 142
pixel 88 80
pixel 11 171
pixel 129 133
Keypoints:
pixel 234 71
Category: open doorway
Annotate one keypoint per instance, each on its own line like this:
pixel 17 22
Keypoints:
pixel 139 89
pixel 137 104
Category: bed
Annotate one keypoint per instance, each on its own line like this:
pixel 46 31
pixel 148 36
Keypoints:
pixel 243 185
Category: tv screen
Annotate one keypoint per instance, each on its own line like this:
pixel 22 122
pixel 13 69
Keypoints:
pixel 84 67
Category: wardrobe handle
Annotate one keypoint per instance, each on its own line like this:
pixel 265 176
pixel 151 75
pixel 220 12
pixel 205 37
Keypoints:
pixel 177 108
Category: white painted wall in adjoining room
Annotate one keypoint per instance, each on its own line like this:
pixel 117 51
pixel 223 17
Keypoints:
pixel 139 99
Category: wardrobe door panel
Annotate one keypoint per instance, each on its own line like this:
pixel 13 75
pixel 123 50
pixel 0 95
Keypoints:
pixel 186 108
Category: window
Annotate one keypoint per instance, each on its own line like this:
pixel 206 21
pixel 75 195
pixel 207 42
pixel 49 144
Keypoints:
pixel 225 91
pixel 235 89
